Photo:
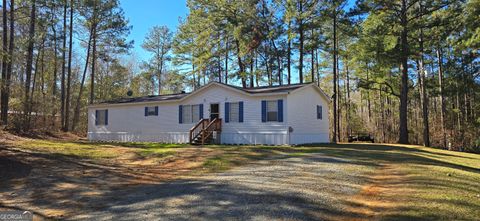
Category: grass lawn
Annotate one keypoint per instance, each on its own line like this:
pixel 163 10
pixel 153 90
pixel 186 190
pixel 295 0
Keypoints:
pixel 405 181
pixel 399 182
pixel 410 182
pixel 98 151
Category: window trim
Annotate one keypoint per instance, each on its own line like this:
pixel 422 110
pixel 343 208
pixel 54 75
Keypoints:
pixel 319 112
pixel 231 118
pixel 148 113
pixel 191 107
pixel 97 119
pixel 267 111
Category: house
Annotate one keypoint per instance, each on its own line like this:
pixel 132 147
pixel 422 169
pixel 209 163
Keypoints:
pixel 216 112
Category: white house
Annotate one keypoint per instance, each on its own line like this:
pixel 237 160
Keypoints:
pixel 276 115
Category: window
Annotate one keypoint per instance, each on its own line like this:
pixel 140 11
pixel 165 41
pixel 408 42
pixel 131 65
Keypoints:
pixel 272 111
pixel 187 114
pixel 151 111
pixel 191 113
pixel 319 112
pixel 195 113
pixel 234 112
pixel 101 117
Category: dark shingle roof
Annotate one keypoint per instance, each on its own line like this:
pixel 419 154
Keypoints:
pixel 165 97
pixel 272 89
pixel 255 90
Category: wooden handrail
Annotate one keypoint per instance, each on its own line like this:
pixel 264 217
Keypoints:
pixel 201 122
pixel 214 125
pixel 206 127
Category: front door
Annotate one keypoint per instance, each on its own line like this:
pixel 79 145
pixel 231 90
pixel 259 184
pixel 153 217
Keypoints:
pixel 214 111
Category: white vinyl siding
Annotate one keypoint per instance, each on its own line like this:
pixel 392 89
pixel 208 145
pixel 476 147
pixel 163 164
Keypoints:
pixel 272 110
pixel 234 112
pixel 127 125
pixel 302 110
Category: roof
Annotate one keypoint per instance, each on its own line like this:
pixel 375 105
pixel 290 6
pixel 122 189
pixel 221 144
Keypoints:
pixel 178 96
pixel 150 98
pixel 270 89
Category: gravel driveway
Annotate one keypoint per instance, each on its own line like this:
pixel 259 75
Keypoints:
pixel 310 187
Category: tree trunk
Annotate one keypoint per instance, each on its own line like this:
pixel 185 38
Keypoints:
pixel 4 114
pixel 426 126
pixel 257 74
pixel 289 54
pixel 194 86
pixel 241 65
pixel 219 57
pixel 69 74
pixel 313 65
pixel 64 67
pixel 76 115
pixel 28 68
pixel 403 139
pixel 55 70
pixel 300 31
pixel 5 100
pixel 251 69
pixel 159 70
pixel 317 67
pixel 279 62
pixel 347 73
pixel 442 97
pixel 369 105
pixel 42 90
pixel 226 60
pixel 339 96
pixel 335 118
pixel 312 53
pixel 94 54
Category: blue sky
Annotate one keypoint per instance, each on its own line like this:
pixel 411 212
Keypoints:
pixel 144 14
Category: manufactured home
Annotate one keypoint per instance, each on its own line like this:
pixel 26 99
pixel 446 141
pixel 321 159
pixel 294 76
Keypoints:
pixel 216 113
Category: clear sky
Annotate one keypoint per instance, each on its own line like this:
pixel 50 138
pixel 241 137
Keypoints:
pixel 144 14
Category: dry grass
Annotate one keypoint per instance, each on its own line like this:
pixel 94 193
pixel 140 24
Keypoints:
pixel 403 182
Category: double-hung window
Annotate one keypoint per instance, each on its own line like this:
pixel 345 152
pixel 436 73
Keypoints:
pixel 234 112
pixel 151 111
pixel 272 111
pixel 101 117
pixel 319 112
pixel 191 113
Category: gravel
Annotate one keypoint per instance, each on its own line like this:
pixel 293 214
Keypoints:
pixel 310 187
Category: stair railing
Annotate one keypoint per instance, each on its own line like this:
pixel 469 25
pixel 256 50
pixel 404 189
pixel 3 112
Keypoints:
pixel 196 130
pixel 214 125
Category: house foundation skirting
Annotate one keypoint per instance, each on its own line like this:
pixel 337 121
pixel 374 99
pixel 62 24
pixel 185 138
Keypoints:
pixel 279 138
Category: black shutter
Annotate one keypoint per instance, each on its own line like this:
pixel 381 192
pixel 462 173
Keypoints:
pixel 180 117
pixel 264 111
pixel 227 112
pixel 106 117
pixel 280 110
pixel 240 111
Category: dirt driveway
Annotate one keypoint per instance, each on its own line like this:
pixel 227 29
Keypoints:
pixel 290 188
pixel 283 187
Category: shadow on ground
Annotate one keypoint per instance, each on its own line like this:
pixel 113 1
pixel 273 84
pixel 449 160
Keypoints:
pixel 318 185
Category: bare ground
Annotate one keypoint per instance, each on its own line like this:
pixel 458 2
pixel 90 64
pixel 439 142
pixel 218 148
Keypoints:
pixel 285 186
pixel 55 186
